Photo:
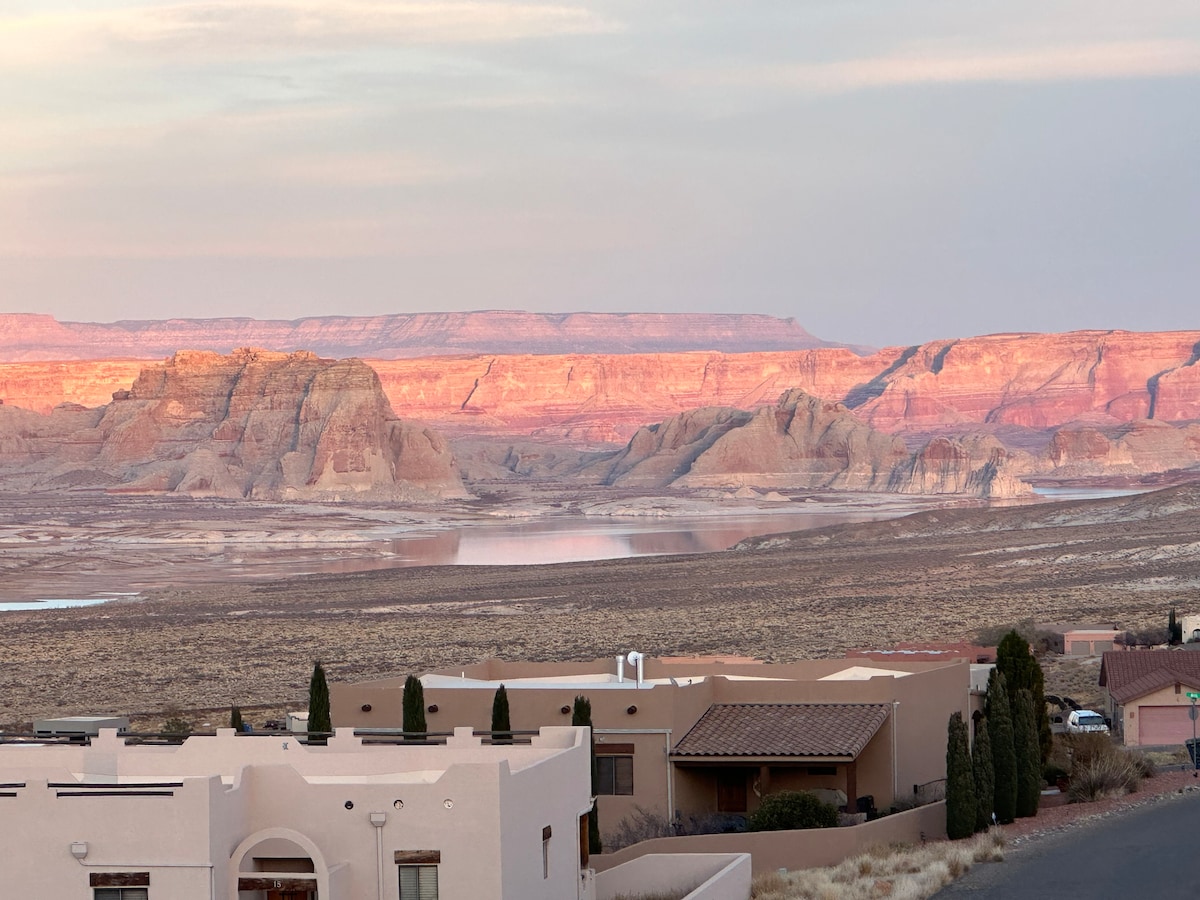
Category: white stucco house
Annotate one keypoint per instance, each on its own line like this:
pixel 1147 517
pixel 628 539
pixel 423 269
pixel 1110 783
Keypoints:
pixel 265 817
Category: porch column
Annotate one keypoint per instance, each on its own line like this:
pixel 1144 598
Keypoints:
pixel 764 780
pixel 852 787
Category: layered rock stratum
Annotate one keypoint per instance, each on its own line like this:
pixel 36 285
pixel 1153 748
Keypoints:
pixel 254 424
pixel 26 336
pixel 1080 404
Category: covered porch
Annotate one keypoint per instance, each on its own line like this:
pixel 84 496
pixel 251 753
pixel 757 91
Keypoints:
pixel 738 753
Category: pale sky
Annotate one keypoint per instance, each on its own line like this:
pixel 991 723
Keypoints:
pixel 885 172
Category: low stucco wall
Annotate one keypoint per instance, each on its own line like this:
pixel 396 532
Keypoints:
pixel 773 850
pixel 709 876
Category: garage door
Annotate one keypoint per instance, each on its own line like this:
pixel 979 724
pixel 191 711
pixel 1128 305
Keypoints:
pixel 1163 725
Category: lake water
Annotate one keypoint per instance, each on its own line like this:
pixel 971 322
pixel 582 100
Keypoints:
pixel 538 541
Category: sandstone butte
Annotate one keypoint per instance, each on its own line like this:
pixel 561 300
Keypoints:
pixel 251 424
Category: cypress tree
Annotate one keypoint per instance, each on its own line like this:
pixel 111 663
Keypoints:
pixel 1004 757
pixel 1029 756
pixel 985 776
pixel 501 725
pixel 414 709
pixel 581 714
pixel 1022 671
pixel 235 718
pixel 1174 629
pixel 318 704
pixel 960 785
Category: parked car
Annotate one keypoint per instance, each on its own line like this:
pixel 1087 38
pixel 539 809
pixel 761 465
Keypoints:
pixel 1085 720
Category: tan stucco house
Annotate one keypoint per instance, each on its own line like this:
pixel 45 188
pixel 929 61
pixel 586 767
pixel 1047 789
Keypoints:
pixel 1146 694
pixel 696 738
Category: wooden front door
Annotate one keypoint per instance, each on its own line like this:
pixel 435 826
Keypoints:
pixel 731 790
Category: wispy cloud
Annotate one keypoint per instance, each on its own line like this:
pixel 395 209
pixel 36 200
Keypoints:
pixel 1113 60
pixel 214 30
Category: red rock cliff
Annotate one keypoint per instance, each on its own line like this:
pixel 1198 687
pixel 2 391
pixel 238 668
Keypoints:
pixel 251 424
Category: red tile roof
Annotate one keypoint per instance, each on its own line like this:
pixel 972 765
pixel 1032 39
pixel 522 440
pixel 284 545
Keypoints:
pixel 783 729
pixel 1135 673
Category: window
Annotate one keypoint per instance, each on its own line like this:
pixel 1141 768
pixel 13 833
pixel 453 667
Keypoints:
pixel 121 894
pixel 614 775
pixel 418 883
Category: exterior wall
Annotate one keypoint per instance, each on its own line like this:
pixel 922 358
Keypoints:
pixel 1126 717
pixel 482 808
pixel 706 876
pixel 772 850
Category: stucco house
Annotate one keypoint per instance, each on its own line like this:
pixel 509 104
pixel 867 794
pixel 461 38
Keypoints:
pixel 1073 639
pixel 265 817
pixel 696 738
pixel 1146 694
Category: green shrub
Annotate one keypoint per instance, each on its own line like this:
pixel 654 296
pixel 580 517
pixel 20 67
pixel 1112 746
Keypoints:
pixel 792 809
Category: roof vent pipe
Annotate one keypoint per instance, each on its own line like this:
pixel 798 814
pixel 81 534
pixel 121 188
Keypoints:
pixel 620 668
pixel 636 659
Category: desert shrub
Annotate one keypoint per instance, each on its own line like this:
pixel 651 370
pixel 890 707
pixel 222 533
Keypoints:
pixel 640 825
pixel 1103 777
pixel 1142 763
pixel 176 725
pixel 792 809
pixel 1102 770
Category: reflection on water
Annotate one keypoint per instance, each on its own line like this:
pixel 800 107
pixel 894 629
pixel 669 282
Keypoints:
pixel 1085 493
pixel 559 540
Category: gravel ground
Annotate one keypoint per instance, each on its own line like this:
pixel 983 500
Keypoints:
pixel 1055 820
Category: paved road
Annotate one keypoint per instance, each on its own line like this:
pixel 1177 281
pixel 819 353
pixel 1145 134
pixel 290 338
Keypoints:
pixel 1152 852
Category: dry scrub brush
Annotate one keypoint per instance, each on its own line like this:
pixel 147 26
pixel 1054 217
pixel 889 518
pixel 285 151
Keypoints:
pixel 896 872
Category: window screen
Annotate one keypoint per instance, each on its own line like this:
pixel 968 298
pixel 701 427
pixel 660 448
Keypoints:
pixel 121 894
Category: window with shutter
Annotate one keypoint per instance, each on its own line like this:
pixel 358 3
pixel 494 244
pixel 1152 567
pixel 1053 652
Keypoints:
pixel 121 894
pixel 614 775
pixel 418 882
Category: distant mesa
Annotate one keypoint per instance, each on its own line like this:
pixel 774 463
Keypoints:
pixel 253 424
pixel 31 337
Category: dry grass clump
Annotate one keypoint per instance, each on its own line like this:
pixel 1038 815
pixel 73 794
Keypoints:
pixel 897 872
pixel 1100 769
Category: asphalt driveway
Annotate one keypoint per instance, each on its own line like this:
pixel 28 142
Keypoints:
pixel 1149 852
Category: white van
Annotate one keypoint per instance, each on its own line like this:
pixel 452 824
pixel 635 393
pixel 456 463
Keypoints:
pixel 1082 720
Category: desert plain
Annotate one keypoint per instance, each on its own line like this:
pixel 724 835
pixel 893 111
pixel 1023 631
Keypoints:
pixel 208 641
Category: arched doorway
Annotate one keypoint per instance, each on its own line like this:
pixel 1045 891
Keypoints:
pixel 279 864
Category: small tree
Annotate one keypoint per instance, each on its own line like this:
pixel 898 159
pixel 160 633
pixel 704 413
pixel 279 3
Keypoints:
pixel 581 714
pixel 788 810
pixel 960 784
pixel 414 709
pixel 235 719
pixel 985 776
pixel 1174 629
pixel 176 725
pixel 1029 756
pixel 1004 757
pixel 318 705
pixel 501 725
